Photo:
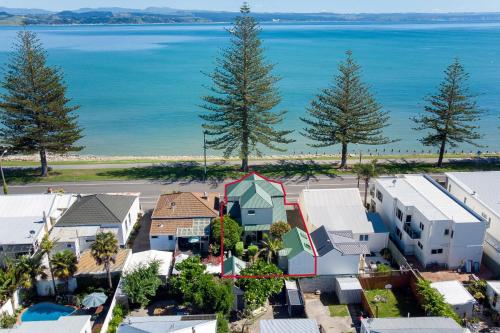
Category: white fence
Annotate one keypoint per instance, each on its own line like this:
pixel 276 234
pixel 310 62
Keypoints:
pixel 11 305
pixel 109 315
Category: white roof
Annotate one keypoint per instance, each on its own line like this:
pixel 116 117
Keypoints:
pixel 435 204
pixel 143 258
pixel 483 185
pixel 68 234
pixel 454 292
pixel 288 326
pixel 349 283
pixel 167 324
pixel 495 285
pixel 337 210
pixel 413 324
pixel 65 324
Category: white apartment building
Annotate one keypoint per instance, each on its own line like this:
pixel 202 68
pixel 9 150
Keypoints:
pixel 481 192
pixel 428 222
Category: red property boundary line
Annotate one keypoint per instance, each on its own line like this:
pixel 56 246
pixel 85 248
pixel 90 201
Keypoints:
pixel 295 205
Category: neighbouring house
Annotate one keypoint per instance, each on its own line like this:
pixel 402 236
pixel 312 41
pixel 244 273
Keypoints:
pixel 256 203
pixel 182 221
pixel 457 296
pixel 75 239
pixel 338 253
pixel 288 326
pixel 169 324
pixel 233 266
pixel 426 221
pixel 341 210
pixel 297 255
pixel 480 191
pixel 492 294
pixel 110 212
pixel 26 218
pixel 413 324
pixel 65 324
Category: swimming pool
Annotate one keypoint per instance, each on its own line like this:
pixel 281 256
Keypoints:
pixel 46 311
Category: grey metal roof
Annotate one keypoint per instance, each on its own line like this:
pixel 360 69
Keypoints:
pixel 97 209
pixel 342 241
pixel 414 324
pixel 289 326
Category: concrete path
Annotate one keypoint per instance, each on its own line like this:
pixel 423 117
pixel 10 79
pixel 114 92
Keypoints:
pixel 315 309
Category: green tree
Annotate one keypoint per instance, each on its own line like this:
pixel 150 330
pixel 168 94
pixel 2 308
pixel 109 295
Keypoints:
pixel 27 269
pixel 451 115
pixel 270 247
pixel 240 113
pixel 64 265
pixel 366 172
pixel 346 113
pixel 257 291
pixel 104 251
pixel 232 232
pixel 434 303
pixel 142 282
pixel 46 247
pixel 8 280
pixel 200 290
pixel 279 228
pixel 34 108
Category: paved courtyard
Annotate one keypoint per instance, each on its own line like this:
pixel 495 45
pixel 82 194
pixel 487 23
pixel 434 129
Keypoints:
pixel 317 309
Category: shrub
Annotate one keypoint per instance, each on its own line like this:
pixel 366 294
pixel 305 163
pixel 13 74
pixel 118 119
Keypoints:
pixel 7 320
pixel 141 284
pixel 222 324
pixel 232 232
pixel 383 268
pixel 278 229
pixel 434 303
pixel 386 253
pixel 238 249
pixel 478 290
pixel 119 313
pixel 252 250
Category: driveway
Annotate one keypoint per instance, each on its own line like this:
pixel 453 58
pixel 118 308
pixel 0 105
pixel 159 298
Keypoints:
pixel 315 309
pixel 141 241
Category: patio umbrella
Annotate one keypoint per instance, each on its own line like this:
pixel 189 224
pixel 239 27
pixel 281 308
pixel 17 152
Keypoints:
pixel 94 300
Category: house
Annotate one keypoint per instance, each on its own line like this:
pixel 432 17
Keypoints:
pixel 297 255
pixel 341 210
pixel 256 203
pixel 288 326
pixel 338 253
pixel 115 213
pixel 183 220
pixel 76 239
pixel 492 294
pixel 26 218
pixel 233 266
pixel 428 222
pixel 65 324
pixel 169 324
pixel 457 296
pixel 414 324
pixel 480 192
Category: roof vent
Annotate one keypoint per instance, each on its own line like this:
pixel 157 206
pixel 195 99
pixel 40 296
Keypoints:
pixel 160 225
pixel 205 195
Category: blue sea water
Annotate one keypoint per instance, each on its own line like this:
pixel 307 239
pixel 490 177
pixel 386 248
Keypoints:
pixel 140 87
pixel 46 311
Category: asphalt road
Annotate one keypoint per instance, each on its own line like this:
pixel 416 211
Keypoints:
pixel 149 191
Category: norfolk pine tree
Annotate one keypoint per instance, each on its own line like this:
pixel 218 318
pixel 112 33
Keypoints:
pixel 34 109
pixel 240 116
pixel 345 113
pixel 451 115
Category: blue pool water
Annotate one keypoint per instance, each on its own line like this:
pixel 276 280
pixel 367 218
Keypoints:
pixel 46 311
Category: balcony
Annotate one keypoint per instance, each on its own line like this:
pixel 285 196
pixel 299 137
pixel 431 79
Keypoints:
pixel 412 233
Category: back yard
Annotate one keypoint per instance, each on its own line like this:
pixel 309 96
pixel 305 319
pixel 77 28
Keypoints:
pixel 393 303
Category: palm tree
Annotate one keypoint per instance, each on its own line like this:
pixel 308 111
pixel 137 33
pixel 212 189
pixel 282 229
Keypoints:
pixel 104 250
pixel 271 247
pixel 47 245
pixel 64 265
pixel 367 172
pixel 27 269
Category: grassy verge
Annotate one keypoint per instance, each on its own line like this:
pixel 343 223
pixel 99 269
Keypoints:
pixel 393 303
pixel 193 171
pixel 338 310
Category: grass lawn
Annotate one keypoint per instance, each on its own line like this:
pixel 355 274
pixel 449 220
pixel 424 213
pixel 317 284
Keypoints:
pixel 398 303
pixel 338 310
pixel 193 171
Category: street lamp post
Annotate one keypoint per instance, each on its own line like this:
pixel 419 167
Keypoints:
pixel 4 183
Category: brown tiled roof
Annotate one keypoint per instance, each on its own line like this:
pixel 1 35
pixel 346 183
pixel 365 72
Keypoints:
pixel 169 227
pixel 87 265
pixel 186 205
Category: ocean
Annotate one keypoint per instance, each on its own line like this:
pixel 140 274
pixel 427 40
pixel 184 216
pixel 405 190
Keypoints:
pixel 140 86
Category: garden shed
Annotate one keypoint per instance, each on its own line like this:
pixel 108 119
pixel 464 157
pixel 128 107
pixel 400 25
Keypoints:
pixel 348 290
pixel 457 296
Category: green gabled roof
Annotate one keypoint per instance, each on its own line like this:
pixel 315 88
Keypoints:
pixel 239 188
pixel 255 197
pixel 295 241
pixel 279 212
pixel 233 266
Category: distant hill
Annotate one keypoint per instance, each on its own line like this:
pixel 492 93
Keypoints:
pixel 118 15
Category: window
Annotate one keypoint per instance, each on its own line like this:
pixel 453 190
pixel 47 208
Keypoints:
pixel 399 214
pixel 170 237
pixel 398 233
pixel 380 197
pixel 154 237
pixel 465 200
pixel 89 241
pixel 251 212
pixel 372 191
pixel 446 232
pixel 420 245
pixel 452 234
pixel 437 251
pixel 68 245
pixel 364 238
pixel 422 226
pixel 449 188
pixel 408 218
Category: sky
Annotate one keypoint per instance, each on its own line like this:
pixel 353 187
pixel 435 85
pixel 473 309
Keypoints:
pixel 337 6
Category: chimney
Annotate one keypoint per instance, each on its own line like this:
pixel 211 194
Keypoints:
pixel 205 195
